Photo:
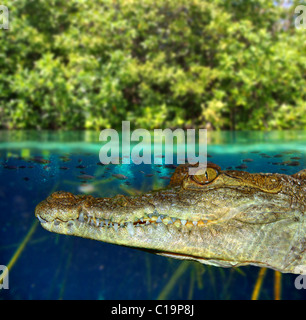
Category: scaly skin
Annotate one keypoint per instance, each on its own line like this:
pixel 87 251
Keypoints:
pixel 221 218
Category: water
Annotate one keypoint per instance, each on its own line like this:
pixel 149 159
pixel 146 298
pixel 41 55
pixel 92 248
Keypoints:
pixel 45 265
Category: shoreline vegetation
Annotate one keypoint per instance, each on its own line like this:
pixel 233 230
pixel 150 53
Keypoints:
pixel 219 65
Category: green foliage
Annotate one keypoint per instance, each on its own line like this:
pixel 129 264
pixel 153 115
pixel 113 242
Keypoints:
pixel 158 63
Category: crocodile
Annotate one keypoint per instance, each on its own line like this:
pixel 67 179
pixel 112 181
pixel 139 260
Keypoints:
pixel 225 218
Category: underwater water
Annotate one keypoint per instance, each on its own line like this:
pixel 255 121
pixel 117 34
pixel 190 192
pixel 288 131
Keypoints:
pixel 44 265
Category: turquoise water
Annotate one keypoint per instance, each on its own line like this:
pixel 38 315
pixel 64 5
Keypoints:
pixel 52 266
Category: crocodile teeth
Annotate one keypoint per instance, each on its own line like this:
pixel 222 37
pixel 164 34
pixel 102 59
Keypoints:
pixel 41 220
pixel 144 221
pixel 81 217
pixel 130 228
pixel 159 220
pixel 116 226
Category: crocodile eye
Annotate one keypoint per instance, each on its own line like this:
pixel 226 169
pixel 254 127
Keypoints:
pixel 205 176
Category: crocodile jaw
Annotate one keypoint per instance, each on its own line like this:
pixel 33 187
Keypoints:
pixel 216 236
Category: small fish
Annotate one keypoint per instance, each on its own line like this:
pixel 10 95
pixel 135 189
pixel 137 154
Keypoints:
pixel 247 160
pixel 85 177
pixel 40 160
pixel 10 167
pixel 291 151
pixel 293 163
pixel 170 166
pixel 119 176
pixel 242 166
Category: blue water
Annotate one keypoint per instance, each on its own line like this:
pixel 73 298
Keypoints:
pixel 52 266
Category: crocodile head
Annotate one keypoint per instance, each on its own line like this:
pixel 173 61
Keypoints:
pixel 221 218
